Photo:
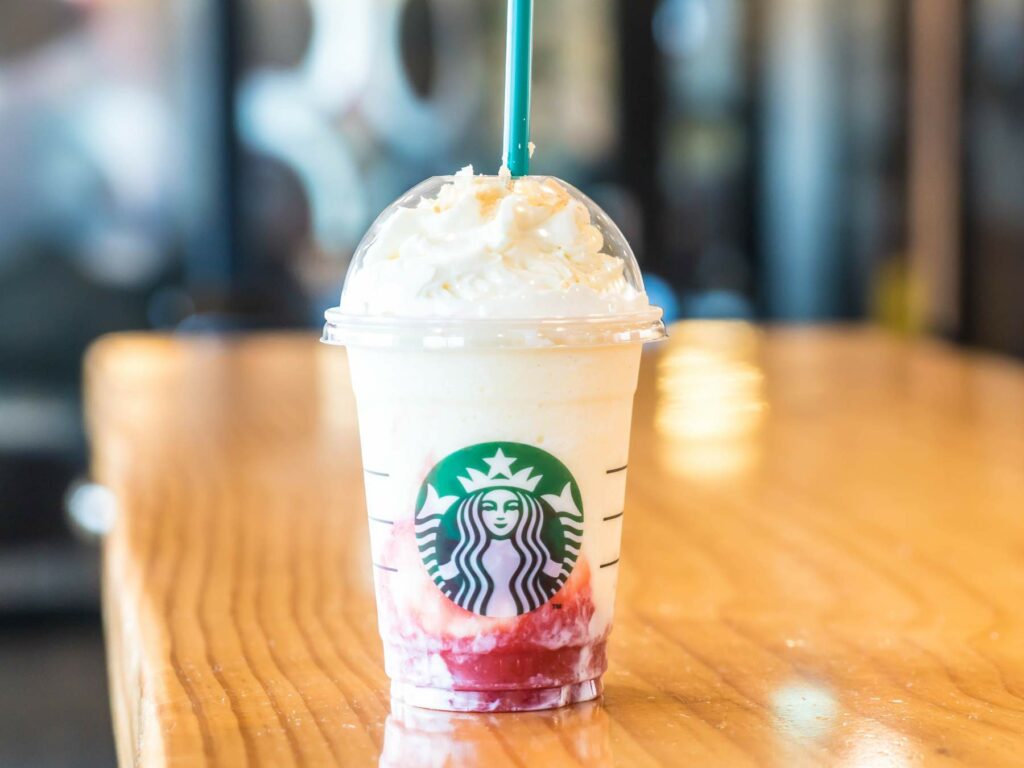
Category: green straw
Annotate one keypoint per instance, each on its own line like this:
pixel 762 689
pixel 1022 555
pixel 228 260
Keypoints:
pixel 518 61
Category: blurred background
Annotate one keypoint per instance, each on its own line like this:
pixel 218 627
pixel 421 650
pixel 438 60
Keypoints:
pixel 199 165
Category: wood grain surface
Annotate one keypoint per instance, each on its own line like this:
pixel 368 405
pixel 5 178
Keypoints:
pixel 823 562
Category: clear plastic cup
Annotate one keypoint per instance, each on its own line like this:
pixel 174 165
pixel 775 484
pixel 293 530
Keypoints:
pixel 495 455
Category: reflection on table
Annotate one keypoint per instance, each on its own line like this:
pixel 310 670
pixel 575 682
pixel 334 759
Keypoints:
pixel 423 738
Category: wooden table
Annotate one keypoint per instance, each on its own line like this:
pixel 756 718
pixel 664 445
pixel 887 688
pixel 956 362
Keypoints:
pixel 823 562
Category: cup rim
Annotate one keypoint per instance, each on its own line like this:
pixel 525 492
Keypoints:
pixel 342 329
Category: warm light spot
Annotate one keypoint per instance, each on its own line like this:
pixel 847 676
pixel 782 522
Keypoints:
pixel 878 747
pixel 710 398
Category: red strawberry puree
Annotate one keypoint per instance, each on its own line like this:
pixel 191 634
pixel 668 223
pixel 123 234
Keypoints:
pixel 442 656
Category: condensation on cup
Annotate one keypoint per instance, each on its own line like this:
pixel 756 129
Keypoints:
pixel 494 329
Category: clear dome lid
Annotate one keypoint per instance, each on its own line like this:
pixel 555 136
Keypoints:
pixel 489 261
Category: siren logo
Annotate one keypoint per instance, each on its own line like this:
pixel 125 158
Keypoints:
pixel 499 527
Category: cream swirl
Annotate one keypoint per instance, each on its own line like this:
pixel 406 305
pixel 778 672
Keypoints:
pixel 490 247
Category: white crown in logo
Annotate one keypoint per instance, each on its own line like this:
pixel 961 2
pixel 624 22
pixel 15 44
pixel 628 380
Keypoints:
pixel 500 475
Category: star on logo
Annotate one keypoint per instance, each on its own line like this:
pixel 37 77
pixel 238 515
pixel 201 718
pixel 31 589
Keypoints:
pixel 499 464
pixel 500 475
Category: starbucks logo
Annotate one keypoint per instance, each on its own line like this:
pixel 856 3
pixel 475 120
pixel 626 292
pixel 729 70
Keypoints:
pixel 499 527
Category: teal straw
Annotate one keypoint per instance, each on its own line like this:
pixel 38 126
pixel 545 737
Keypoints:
pixel 518 62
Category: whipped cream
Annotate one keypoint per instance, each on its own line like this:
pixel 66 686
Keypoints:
pixel 490 247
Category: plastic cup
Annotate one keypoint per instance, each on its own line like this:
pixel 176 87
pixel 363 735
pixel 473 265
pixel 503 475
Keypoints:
pixel 495 455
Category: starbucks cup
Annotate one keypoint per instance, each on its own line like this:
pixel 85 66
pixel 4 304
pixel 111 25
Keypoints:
pixel 495 448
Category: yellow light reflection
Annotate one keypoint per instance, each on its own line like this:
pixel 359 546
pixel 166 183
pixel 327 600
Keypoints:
pixel 710 398
pixel 422 738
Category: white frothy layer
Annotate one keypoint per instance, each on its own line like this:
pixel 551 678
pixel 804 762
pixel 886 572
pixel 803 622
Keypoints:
pixel 491 247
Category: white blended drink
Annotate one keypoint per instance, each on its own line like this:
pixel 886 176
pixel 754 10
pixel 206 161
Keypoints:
pixel 494 329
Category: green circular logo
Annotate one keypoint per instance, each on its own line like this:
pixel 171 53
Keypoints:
pixel 499 527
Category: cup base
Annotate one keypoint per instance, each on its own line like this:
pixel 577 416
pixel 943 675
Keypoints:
pixel 517 700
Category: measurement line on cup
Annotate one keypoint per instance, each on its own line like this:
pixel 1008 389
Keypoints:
pixel 609 565
pixel 375 472
pixel 617 469
pixel 381 520
pixel 395 570
pixel 612 517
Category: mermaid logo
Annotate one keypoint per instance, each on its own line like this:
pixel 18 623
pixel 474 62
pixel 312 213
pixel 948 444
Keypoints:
pixel 497 540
